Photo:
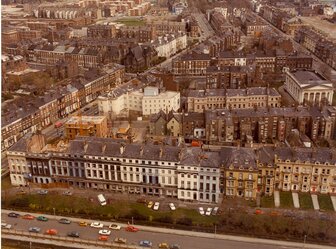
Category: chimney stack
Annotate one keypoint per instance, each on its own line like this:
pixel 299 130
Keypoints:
pixel 122 149
pixel 161 151
pixel 85 146
pixel 141 151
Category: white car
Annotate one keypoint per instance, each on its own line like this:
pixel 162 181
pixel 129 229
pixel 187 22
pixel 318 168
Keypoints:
pixel 6 226
pixel 114 227
pixel 172 206
pixel 201 210
pixel 96 225
pixel 104 232
pixel 156 206
pixel 215 210
pixel 208 212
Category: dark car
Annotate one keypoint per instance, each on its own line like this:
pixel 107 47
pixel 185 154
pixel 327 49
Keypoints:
pixel 174 246
pixel 73 234
pixel 145 243
pixel 13 215
pixel 64 221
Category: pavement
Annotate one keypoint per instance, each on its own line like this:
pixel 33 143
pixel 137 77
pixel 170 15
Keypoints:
pixel 296 199
pixel 333 200
pixel 315 202
pixel 186 239
pixel 276 198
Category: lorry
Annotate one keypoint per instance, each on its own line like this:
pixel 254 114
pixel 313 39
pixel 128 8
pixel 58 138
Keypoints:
pixel 102 199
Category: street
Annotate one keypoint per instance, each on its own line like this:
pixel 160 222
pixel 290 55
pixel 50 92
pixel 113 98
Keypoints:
pixel 185 239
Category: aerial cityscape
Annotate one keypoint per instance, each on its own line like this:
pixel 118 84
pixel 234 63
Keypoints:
pixel 177 124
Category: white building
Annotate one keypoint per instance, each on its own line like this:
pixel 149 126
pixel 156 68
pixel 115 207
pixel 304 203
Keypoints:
pixel 169 45
pixel 131 97
pixel 307 86
pixel 122 99
pixel 198 176
pixel 189 174
pixel 154 101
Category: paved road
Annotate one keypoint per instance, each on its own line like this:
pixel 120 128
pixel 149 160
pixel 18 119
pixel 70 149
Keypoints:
pixel 160 235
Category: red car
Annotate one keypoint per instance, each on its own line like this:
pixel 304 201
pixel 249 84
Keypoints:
pixel 103 238
pixel 131 229
pixel 259 211
pixel 28 217
pixel 51 231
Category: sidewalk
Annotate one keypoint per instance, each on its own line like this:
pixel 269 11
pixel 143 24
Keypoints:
pixel 195 234
pixel 277 199
pixel 296 201
pixel 315 202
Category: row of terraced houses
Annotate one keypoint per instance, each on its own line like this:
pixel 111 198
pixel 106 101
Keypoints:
pixel 186 173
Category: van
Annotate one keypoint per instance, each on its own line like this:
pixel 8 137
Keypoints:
pixel 102 199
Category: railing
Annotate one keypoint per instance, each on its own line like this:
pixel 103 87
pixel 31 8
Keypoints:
pixel 66 239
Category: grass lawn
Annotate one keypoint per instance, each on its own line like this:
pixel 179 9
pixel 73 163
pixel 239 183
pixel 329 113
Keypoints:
pixel 325 202
pixel 131 22
pixel 286 200
pixel 118 209
pixel 305 201
pixel 267 202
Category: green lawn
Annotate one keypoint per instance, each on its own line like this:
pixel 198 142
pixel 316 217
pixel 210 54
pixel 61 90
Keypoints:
pixel 77 206
pixel 131 22
pixel 305 201
pixel 325 202
pixel 286 200
pixel 267 202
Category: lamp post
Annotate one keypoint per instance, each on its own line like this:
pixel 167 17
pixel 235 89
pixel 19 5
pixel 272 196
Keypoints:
pixel 304 240
pixel 54 212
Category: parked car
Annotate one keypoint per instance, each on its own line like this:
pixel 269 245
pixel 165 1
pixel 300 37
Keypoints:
pixel 259 211
pixel 114 226
pixel 64 221
pixel 208 212
pixel 96 225
pixel 42 192
pixel 51 232
pixel 172 206
pixel 28 217
pixel 13 215
pixel 120 240
pixel 69 193
pixel 175 246
pixel 103 238
pixel 34 229
pixel 145 243
pixel 156 206
pixel 6 226
pixel 83 224
pixel 164 245
pixel 201 210
pixel 150 204
pixel 104 232
pixel 131 229
pixel 73 234
pixel 42 218
pixel 215 211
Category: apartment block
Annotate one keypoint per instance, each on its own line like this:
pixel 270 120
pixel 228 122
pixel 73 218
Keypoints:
pixel 249 98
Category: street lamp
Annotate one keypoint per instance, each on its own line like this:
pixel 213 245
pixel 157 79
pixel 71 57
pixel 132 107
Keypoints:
pixel 304 240
pixel 54 212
